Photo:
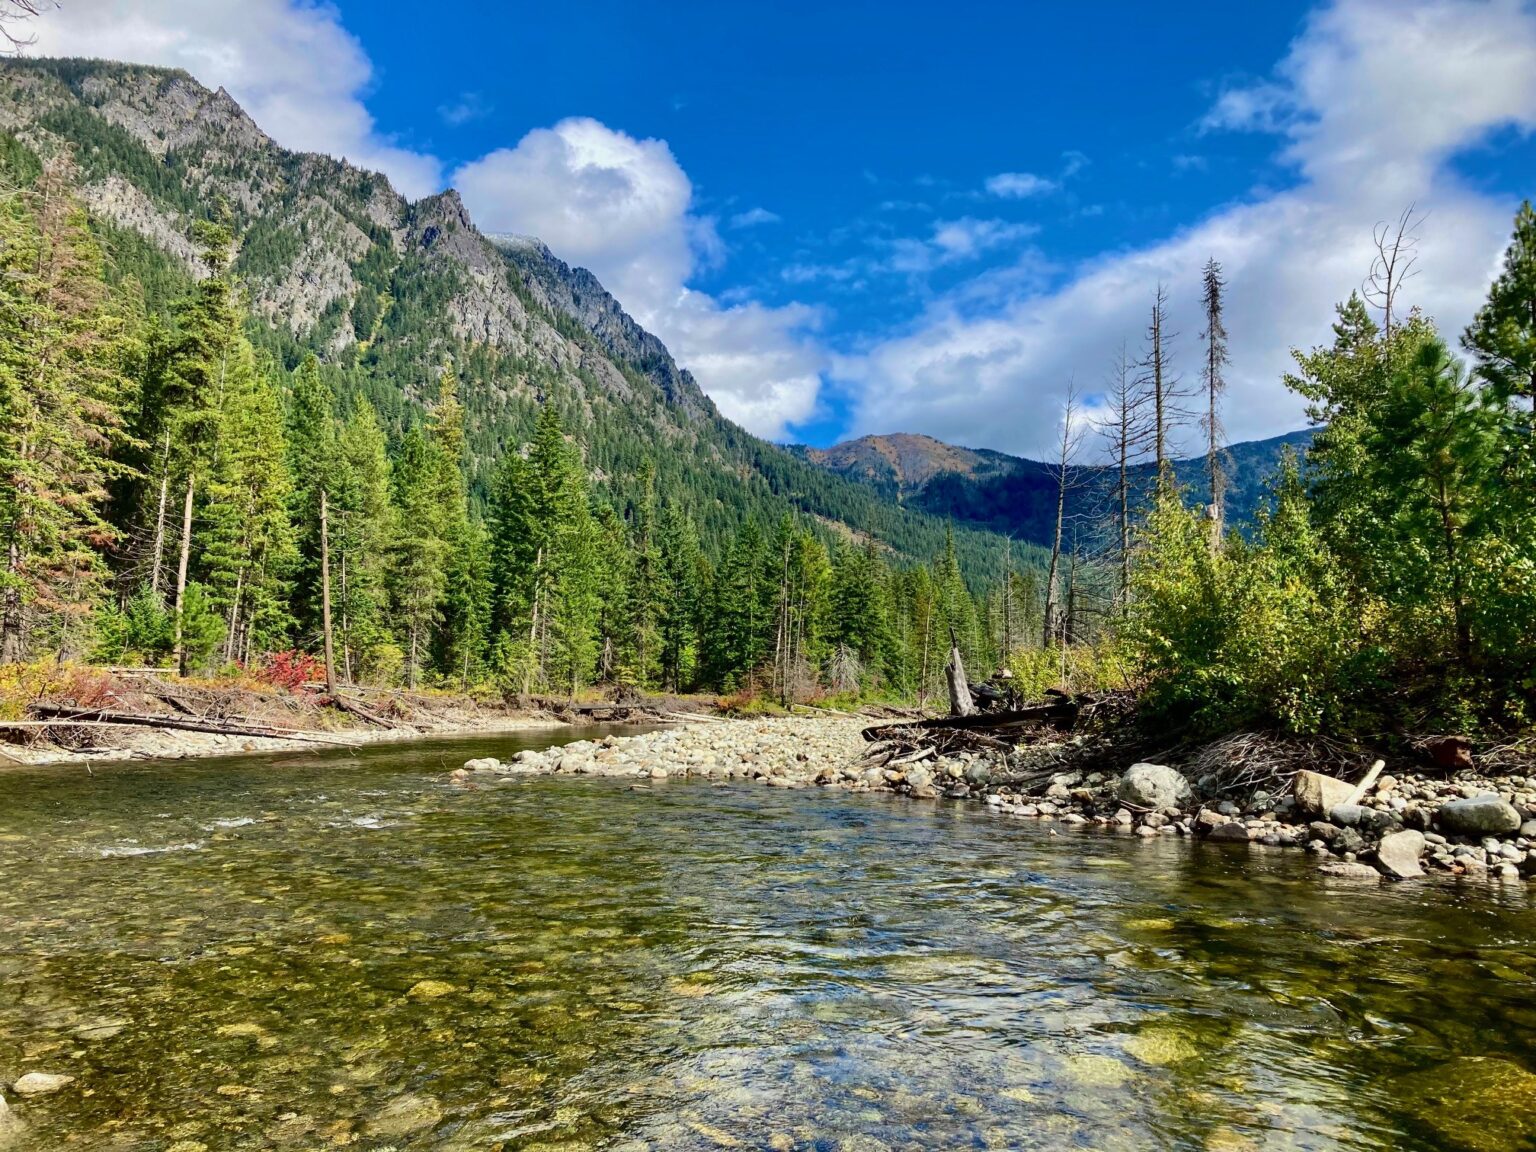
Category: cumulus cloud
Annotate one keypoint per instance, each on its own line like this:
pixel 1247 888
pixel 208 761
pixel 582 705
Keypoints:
pixel 623 208
pixel 289 63
pixel 1371 103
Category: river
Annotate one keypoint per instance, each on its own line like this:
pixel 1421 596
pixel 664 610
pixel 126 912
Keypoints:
pixel 345 950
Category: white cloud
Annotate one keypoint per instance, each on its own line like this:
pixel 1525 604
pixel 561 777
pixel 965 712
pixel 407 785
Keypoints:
pixel 752 217
pixel 622 207
pixel 1019 185
pixel 1373 99
pixel 289 63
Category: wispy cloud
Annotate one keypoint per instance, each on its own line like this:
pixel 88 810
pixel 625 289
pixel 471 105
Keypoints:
pixel 753 217
pixel 1019 185
pixel 469 106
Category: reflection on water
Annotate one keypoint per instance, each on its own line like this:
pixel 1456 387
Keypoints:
pixel 346 951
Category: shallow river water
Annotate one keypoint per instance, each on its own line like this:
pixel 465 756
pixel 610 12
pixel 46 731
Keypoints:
pixel 343 950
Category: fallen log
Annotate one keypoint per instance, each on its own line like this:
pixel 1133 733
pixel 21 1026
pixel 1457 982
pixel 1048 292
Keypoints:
pixel 1038 714
pixel 52 714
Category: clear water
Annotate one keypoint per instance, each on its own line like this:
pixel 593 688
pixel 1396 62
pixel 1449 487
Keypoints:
pixel 231 954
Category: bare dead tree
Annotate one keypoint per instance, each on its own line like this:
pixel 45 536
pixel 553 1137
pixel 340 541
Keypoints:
pixel 1064 469
pixel 1125 428
pixel 1160 380
pixel 14 12
pixel 1395 263
pixel 1216 359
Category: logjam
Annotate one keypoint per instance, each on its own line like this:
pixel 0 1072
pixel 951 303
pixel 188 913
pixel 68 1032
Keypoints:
pixel 52 712
pixel 1064 709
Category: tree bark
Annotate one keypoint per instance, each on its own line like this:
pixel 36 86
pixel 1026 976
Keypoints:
pixel 180 646
pixel 960 703
pixel 325 596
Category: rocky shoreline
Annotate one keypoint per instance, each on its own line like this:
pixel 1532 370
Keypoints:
pixel 1403 825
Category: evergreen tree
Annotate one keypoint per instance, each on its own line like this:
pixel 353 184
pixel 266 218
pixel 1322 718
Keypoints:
pixel 682 586
pixel 313 465
pixel 362 541
pixel 1502 338
pixel 418 553
pixel 61 384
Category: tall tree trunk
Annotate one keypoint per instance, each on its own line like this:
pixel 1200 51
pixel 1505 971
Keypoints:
pixel 180 646
pixel 533 626
pixel 159 549
pixel 10 612
pixel 325 594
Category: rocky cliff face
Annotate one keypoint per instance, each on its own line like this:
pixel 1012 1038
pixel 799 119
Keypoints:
pixel 338 263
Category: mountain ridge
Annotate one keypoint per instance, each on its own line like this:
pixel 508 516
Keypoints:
pixel 1016 495
pixel 336 262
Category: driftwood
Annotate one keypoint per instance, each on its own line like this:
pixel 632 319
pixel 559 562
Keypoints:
pixel 52 714
pixel 1063 709
pixel 1365 782
pixel 960 702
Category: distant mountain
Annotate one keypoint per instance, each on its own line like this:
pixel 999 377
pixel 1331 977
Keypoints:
pixel 1013 495
pixel 336 262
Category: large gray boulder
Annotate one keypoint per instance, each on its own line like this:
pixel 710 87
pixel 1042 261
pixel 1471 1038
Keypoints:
pixel 1398 854
pixel 1318 795
pixel 1484 815
pixel 1154 786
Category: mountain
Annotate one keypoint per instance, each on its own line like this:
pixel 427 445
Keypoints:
pixel 384 290
pixel 1010 494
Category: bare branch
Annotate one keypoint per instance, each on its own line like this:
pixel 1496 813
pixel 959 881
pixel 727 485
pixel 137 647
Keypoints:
pixel 1395 262
pixel 17 11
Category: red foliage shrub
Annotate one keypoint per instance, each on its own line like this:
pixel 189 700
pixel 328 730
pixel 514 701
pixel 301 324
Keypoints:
pixel 289 670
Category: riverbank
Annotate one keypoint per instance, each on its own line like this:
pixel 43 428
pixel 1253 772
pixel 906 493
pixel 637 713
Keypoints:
pixel 73 715
pixel 1404 825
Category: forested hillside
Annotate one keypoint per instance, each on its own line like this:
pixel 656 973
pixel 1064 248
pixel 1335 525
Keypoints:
pixel 235 371
pixel 1011 494
pixel 334 262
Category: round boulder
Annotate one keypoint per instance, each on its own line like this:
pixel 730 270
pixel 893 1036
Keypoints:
pixel 1484 815
pixel 1154 786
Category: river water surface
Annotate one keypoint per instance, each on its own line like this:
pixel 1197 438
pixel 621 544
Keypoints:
pixel 334 950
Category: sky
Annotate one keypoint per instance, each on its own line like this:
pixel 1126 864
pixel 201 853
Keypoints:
pixel 857 217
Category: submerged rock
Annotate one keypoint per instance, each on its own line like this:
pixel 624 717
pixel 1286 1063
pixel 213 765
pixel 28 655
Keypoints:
pixel 41 1083
pixel 1479 816
pixel 1154 786
pixel 431 990
pixel 1350 870
pixel 1478 1103
pixel 405 1115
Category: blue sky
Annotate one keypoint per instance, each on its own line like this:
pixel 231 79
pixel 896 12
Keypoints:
pixel 885 217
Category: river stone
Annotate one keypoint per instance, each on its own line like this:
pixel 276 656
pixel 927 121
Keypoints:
pixel 406 1114
pixel 1233 832
pixel 1398 854
pixel 1154 786
pixel 1359 816
pixel 482 764
pixel 1350 870
pixel 1478 1103
pixel 431 990
pixel 1317 794
pixel 41 1083
pixel 1478 816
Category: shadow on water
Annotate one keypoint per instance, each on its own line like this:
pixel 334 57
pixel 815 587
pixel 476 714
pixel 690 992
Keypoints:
pixel 337 950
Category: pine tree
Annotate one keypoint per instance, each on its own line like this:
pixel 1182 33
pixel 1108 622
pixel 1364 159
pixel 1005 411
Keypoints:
pixel 681 596
pixel 61 384
pixel 362 538
pixel 418 553
pixel 1502 338
pixel 313 465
